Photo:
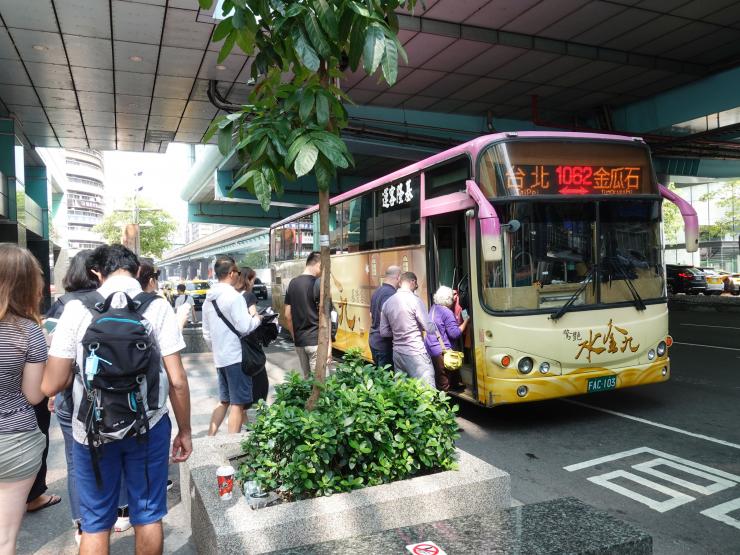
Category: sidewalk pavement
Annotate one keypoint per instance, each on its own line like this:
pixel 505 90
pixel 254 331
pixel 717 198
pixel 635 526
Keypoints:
pixel 50 531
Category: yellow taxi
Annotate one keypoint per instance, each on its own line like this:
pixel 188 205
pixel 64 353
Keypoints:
pixel 197 289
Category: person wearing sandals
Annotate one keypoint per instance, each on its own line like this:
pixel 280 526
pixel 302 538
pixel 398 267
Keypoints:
pixel 77 281
pixel 23 353
pixel 449 330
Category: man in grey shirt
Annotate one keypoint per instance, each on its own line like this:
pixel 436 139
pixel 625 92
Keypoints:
pixel 404 318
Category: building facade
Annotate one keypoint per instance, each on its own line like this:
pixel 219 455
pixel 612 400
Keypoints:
pixel 84 198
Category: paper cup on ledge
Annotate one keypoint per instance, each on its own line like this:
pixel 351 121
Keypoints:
pixel 225 476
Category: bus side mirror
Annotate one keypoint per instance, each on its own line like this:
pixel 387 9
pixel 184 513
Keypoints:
pixel 490 241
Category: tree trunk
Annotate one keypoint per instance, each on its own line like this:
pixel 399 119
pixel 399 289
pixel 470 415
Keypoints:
pixel 325 299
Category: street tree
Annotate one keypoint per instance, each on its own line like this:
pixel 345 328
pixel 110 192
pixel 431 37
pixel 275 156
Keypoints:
pixel 727 200
pixel 291 126
pixel 155 227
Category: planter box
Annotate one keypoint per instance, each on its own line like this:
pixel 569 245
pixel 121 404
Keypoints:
pixel 226 527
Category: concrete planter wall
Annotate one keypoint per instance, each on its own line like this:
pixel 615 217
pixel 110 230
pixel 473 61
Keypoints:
pixel 226 527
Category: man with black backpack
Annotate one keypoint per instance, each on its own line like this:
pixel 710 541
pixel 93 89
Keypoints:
pixel 121 347
pixel 226 321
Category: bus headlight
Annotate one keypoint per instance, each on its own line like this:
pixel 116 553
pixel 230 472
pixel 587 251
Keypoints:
pixel 661 348
pixel 544 367
pixel 651 354
pixel 525 365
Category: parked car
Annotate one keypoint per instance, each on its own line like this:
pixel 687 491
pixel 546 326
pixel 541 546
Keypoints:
pixel 197 289
pixel 715 281
pixel 685 279
pixel 259 289
pixel 735 284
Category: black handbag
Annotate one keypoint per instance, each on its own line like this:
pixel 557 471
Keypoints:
pixel 253 357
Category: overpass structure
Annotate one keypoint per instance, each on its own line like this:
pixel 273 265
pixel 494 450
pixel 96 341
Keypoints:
pixel 135 75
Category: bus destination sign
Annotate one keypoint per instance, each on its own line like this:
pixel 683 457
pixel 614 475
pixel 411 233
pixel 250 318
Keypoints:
pixel 535 180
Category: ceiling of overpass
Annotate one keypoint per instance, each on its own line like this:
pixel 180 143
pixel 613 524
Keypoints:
pixel 128 75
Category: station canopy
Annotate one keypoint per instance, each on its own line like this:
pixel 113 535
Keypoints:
pixel 134 75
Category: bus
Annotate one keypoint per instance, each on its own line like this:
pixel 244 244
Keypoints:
pixel 552 240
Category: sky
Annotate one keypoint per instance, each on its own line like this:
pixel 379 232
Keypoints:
pixel 162 178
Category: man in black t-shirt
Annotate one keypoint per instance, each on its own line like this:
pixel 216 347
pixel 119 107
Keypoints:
pixel 302 313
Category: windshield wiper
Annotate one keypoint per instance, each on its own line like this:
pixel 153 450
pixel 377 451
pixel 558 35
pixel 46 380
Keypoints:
pixel 563 309
pixel 639 303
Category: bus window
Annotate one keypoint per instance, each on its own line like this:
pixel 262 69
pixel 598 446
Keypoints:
pixel 358 224
pixel 547 259
pixel 315 223
pixel 397 213
pixel 335 230
pixel 305 237
pixel 630 250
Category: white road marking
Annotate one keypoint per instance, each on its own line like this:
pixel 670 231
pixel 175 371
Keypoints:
pixel 718 484
pixel 707 346
pixel 675 498
pixel 721 513
pixel 656 424
pixel 651 451
pixel 711 326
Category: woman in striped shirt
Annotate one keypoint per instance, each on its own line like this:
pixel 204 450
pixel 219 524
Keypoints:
pixel 23 353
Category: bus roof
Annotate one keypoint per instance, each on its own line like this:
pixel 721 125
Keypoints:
pixel 472 148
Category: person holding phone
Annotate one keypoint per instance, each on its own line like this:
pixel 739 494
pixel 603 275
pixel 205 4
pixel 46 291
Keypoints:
pixel 245 285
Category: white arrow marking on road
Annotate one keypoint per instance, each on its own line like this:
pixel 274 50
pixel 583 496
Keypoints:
pixel 721 513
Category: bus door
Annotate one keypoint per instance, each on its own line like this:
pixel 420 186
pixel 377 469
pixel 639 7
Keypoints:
pixel 448 264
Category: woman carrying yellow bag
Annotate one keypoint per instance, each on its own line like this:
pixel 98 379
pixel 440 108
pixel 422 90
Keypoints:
pixel 439 345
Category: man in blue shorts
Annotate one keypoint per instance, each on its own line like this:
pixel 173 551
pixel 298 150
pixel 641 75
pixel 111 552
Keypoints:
pixel 225 318
pixel 144 458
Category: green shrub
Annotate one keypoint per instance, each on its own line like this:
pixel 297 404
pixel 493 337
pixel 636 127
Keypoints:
pixel 368 428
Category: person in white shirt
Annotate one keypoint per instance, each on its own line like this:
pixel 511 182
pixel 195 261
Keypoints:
pixel 184 306
pixel 234 386
pixel 146 462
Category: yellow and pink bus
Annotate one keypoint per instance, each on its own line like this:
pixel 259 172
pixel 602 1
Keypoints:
pixel 553 241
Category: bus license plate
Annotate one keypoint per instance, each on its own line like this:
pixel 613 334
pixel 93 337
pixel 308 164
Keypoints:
pixel 604 383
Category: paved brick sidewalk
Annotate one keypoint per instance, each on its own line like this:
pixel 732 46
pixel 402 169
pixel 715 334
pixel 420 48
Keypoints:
pixel 49 532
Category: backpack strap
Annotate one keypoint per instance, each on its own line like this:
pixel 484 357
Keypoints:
pixel 92 301
pixel 224 320
pixel 144 299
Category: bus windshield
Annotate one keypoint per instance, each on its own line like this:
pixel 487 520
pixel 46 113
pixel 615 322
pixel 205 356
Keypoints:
pixel 600 251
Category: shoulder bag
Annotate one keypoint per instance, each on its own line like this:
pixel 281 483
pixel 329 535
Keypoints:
pixel 253 357
pixel 452 360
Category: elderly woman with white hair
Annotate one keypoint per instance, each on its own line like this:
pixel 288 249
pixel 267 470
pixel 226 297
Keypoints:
pixel 449 331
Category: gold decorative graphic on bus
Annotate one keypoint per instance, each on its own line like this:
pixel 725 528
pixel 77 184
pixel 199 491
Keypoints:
pixel 532 180
pixel 598 343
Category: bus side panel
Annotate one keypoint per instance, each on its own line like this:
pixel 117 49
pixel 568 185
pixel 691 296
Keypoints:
pixel 354 278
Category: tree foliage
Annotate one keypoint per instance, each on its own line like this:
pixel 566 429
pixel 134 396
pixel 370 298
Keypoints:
pixel 727 200
pixel 156 227
pixel 291 125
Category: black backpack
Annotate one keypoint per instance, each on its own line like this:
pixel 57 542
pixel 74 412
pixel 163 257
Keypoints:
pixel 122 372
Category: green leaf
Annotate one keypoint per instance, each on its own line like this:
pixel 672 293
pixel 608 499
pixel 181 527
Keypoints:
pixel 227 47
pixel 324 174
pixel 390 62
pixel 374 48
pixel 224 139
pixel 307 102
pixel 205 4
pixel 295 147
pixel 359 9
pixel 306 159
pixel 306 54
pixel 316 35
pixel 356 44
pixel 345 25
pixel 222 29
pixel 332 154
pixel 328 19
pixel 238 20
pixel 322 110
pixel 245 41
pixel 262 190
